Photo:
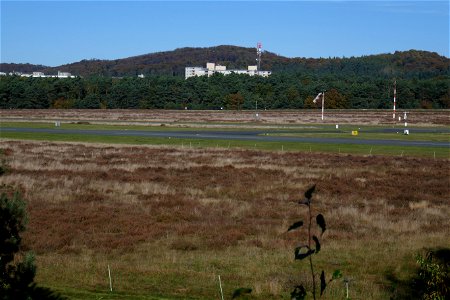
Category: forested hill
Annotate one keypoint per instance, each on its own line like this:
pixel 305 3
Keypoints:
pixel 22 68
pixel 407 64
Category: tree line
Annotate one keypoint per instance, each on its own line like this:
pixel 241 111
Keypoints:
pixel 282 90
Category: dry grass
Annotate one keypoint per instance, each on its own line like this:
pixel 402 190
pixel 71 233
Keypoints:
pixel 367 117
pixel 169 220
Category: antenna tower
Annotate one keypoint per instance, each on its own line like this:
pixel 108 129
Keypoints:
pixel 258 55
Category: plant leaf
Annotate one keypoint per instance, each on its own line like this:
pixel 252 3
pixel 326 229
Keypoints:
pixel 299 293
pixel 321 222
pixel 302 255
pixel 316 240
pixel 309 192
pixel 323 283
pixel 305 201
pixel 241 291
pixel 295 225
pixel 336 274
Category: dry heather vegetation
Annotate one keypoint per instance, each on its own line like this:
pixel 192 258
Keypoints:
pixel 367 117
pixel 169 220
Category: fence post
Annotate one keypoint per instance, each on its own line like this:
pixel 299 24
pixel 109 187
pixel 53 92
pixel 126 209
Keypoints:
pixel 110 281
pixel 220 285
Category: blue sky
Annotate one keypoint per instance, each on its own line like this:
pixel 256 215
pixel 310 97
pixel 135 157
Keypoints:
pixel 59 32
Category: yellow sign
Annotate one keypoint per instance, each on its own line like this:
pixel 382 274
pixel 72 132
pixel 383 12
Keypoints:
pixel 355 132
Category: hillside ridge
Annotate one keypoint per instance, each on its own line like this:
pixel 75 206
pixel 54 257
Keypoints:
pixel 400 63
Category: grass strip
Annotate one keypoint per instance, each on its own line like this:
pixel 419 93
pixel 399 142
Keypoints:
pixel 104 126
pixel 435 152
pixel 433 137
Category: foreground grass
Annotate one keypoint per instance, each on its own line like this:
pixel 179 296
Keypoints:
pixel 169 220
pixel 375 270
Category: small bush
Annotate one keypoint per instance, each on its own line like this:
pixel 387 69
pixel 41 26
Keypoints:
pixel 17 275
pixel 3 164
pixel 434 274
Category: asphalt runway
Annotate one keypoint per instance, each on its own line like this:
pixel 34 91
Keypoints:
pixel 250 135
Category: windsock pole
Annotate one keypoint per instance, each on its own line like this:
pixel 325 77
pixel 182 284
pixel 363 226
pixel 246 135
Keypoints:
pixel 323 102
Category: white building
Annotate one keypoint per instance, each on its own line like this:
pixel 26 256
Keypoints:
pixel 38 74
pixel 195 71
pixel 212 68
pixel 65 75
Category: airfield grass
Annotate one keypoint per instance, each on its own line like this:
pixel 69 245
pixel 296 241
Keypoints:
pixel 344 131
pixel 168 220
pixel 413 136
pixel 435 152
pixel 95 126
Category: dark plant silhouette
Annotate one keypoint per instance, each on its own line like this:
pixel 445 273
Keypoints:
pixel 17 277
pixel 241 292
pixel 3 165
pixel 307 250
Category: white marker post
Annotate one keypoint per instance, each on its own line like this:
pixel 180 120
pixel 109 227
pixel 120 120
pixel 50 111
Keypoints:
pixel 110 281
pixel 256 111
pixel 220 285
pixel 406 131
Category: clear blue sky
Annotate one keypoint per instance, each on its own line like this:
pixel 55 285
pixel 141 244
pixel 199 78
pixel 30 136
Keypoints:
pixel 59 32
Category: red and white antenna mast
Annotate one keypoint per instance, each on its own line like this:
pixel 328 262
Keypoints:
pixel 395 96
pixel 258 55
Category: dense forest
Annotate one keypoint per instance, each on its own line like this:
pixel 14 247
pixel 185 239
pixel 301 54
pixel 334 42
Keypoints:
pixel 357 82
pixel 279 91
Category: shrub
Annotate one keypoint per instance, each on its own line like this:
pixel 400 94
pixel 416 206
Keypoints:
pixel 3 165
pixel 16 277
pixel 434 274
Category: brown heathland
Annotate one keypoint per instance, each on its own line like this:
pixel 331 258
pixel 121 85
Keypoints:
pixel 367 117
pixel 170 219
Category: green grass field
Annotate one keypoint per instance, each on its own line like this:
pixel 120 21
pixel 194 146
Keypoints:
pixel 369 132
pixel 320 131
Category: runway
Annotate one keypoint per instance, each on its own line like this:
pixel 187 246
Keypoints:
pixel 250 135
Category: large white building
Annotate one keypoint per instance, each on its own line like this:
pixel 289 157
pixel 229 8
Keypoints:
pixel 212 68
pixel 65 75
pixel 39 75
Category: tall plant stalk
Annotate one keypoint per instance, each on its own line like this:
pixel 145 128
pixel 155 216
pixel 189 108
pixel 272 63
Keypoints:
pixel 310 257
pixel 304 251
